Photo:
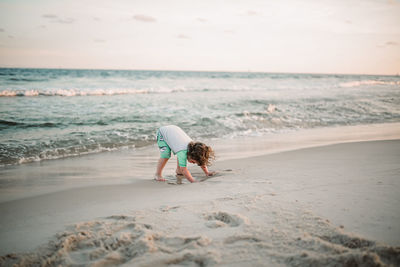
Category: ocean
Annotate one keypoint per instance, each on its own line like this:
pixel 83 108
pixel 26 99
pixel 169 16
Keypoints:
pixel 56 113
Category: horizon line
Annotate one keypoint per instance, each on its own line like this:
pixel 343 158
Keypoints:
pixel 221 71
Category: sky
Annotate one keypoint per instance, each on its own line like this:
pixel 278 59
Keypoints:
pixel 301 36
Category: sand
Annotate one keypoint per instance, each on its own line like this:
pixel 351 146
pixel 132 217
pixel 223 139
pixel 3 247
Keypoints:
pixel 329 205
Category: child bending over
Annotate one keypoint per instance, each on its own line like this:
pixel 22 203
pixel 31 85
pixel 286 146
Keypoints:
pixel 172 138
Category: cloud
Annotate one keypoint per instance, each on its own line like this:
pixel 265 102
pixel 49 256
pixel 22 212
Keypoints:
pixel 201 20
pixel 183 36
pixel 144 18
pixel 391 43
pixel 56 19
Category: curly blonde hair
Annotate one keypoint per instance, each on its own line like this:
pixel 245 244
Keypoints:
pixel 201 153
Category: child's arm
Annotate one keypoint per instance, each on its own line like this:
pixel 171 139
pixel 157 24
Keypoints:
pixel 187 174
pixel 205 170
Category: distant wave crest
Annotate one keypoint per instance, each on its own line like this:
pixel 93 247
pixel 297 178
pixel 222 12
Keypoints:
pixel 6 124
pixel 368 82
pixel 71 92
pixel 106 92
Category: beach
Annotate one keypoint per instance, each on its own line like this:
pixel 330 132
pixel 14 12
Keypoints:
pixel 183 133
pixel 331 199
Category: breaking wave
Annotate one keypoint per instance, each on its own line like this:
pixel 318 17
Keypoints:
pixel 72 92
pixel 368 82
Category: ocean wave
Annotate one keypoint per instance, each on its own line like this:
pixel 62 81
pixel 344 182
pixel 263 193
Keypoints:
pixel 368 82
pixel 7 124
pixel 24 154
pixel 27 80
pixel 59 153
pixel 108 92
pixel 70 92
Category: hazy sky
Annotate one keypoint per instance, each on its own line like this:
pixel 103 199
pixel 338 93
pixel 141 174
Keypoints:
pixel 321 36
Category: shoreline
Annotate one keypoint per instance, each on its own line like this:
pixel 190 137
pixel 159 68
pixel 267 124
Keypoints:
pixel 308 138
pixel 129 165
pixel 347 191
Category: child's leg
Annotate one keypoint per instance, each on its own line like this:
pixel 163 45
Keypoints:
pixel 165 154
pixel 160 167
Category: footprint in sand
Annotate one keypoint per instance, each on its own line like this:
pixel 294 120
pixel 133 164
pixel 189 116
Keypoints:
pixel 242 238
pixel 189 259
pixel 348 241
pixel 165 208
pixel 113 241
pixel 121 217
pixel 353 251
pixel 222 219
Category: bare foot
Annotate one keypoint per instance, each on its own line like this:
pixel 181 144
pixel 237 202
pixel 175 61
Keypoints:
pixel 159 178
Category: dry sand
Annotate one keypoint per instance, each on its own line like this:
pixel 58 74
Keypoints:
pixel 324 206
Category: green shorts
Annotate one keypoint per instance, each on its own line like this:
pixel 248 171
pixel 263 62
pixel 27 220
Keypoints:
pixel 165 151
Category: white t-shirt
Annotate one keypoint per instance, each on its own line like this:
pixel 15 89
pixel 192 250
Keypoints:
pixel 175 137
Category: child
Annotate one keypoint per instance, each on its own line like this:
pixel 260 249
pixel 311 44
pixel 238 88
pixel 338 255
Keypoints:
pixel 173 138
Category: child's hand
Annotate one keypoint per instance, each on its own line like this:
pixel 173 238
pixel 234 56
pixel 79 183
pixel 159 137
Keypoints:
pixel 211 173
